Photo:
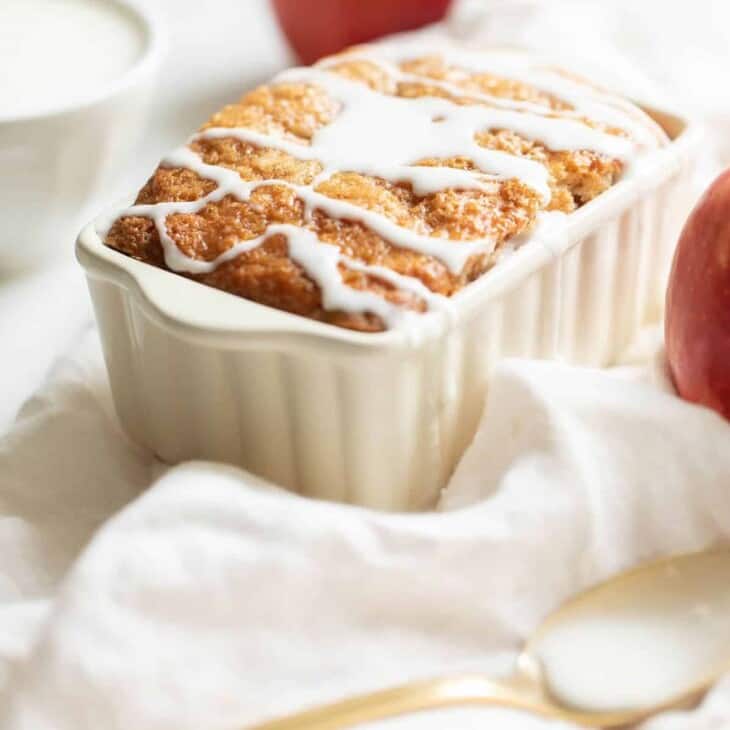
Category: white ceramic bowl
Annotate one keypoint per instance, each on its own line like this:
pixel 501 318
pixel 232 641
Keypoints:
pixel 373 419
pixel 54 161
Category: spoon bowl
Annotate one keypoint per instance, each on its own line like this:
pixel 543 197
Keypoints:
pixel 650 639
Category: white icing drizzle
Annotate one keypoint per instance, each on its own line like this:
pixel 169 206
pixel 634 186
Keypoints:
pixel 384 136
pixel 587 100
pixel 373 128
pixel 640 127
pixel 453 254
pixel 321 260
pixel 332 154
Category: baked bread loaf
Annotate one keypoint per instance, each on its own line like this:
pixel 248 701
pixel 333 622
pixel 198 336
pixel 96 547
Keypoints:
pixel 371 187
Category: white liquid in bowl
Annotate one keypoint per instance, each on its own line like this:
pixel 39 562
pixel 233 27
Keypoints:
pixel 54 53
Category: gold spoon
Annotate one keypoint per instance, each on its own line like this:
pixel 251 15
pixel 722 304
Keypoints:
pixel 651 639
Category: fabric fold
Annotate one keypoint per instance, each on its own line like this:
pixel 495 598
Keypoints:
pixel 215 599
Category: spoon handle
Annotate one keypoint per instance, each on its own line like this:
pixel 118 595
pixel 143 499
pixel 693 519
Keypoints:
pixel 413 697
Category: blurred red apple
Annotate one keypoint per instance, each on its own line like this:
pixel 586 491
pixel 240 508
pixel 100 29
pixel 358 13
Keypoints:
pixel 698 302
pixel 316 28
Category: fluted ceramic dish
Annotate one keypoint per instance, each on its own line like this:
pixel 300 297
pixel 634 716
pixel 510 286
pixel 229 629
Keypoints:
pixel 375 419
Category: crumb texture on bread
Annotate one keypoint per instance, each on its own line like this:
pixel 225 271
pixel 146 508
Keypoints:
pixel 310 195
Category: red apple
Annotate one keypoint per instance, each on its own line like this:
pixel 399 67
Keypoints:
pixel 698 302
pixel 316 28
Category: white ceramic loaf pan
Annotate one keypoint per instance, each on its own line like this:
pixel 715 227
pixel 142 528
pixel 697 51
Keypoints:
pixel 375 419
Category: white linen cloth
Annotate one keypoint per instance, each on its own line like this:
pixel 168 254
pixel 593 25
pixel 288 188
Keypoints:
pixel 213 599
pixel 133 596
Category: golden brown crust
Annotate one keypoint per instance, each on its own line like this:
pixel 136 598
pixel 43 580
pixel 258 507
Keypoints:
pixel 290 111
pixel 575 177
pixel 499 210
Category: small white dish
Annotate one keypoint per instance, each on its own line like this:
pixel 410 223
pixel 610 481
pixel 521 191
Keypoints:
pixel 55 154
